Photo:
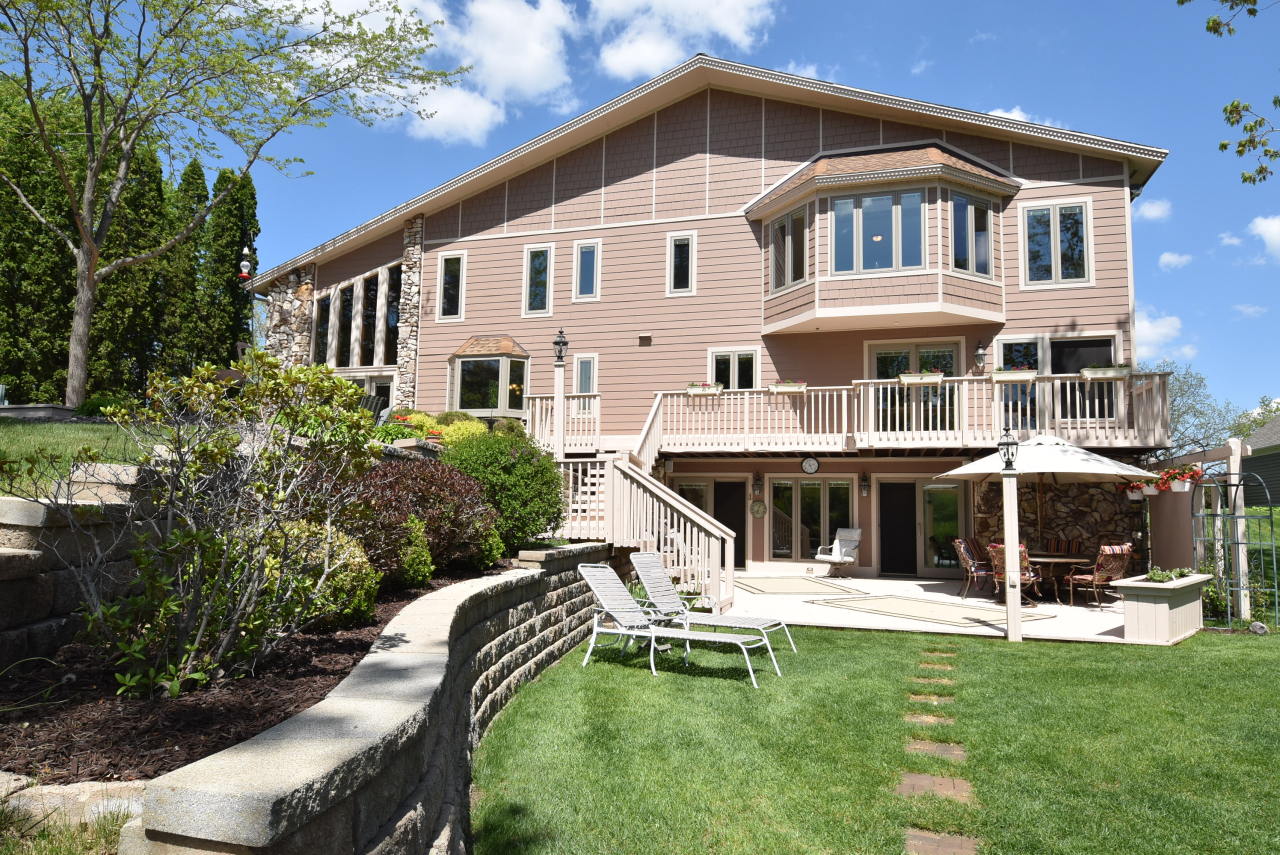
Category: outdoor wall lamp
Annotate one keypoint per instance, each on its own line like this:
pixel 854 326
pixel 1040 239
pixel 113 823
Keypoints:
pixel 1008 449
pixel 980 357
pixel 864 485
pixel 757 484
pixel 561 346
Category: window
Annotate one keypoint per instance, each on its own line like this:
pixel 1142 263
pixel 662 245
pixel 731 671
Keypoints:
pixel 1068 356
pixel 537 280
pixel 584 374
pixel 1020 354
pixel 345 307
pixel 491 386
pixel 806 514
pixel 682 270
pixel 392 339
pixel 734 369
pixel 515 384
pixel 586 270
pixel 320 341
pixel 1083 400
pixel 356 322
pixel 452 278
pixel 368 319
pixel 877 233
pixel 970 235
pixel 695 493
pixel 789 250
pixel 1055 237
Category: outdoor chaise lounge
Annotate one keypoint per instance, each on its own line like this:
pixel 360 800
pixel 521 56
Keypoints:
pixel 629 620
pixel 664 597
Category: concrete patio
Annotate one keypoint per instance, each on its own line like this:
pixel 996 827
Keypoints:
pixel 978 614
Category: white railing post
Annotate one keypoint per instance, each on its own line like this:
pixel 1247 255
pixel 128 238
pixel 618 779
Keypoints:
pixel 559 416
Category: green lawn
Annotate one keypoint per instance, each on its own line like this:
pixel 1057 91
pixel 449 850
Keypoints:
pixel 19 438
pixel 1072 748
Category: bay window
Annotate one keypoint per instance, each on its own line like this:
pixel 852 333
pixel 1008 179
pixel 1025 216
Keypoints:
pixel 1054 239
pixel 491 386
pixel 970 234
pixel 789 248
pixel 876 233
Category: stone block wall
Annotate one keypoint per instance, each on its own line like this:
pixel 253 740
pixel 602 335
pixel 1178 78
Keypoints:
pixel 410 308
pixel 289 317
pixel 383 764
pixel 1092 514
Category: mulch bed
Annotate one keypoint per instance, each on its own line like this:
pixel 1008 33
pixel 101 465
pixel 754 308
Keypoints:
pixel 90 734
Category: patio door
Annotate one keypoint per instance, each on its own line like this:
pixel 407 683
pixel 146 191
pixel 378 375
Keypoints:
pixel 901 408
pixel 898 528
pixel 805 513
pixel 729 506
pixel 918 521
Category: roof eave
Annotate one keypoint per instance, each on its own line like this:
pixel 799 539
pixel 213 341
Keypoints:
pixel 765 208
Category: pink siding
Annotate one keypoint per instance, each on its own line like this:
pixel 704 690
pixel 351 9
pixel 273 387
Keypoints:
pixel 735 150
pixel 896 132
pixel 995 152
pixel 529 199
pixel 628 172
pixel 1044 164
pixel 1097 167
pixel 681 188
pixel 484 212
pixel 578 190
pixel 880 290
pixel 442 225
pixel 788 304
pixel 971 293
pixel 378 253
pixel 790 138
pixel 845 130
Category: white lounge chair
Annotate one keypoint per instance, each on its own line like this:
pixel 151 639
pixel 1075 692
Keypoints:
pixel 632 621
pixel 664 597
pixel 843 550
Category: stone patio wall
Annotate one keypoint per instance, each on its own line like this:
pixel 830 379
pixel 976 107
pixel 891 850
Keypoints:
pixel 1091 514
pixel 288 336
pixel 383 764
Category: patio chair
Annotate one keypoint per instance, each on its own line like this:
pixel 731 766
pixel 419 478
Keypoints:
pixel 664 597
pixel 1027 577
pixel 620 615
pixel 975 571
pixel 843 550
pixel 1112 563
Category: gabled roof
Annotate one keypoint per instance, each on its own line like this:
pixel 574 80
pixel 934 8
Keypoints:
pixel 491 345
pixel 900 164
pixel 693 76
pixel 1265 436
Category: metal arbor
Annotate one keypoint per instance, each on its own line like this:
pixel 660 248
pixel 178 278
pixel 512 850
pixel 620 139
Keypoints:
pixel 1237 544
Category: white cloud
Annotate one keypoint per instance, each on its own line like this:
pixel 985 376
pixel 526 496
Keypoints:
pixel 461 115
pixel 641 38
pixel 1153 209
pixel 1249 310
pixel 982 37
pixel 1173 260
pixel 1268 229
pixel 1156 337
pixel 1228 239
pixel 921 66
pixel 801 69
pixel 1021 115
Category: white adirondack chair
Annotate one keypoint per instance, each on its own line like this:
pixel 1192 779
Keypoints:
pixel 843 550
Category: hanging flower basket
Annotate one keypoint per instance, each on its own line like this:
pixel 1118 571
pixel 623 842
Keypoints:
pixel 1013 375
pixel 788 387
pixel 930 378
pixel 1150 490
pixel 1107 372
pixel 704 389
pixel 1180 487
pixel 1134 495
pixel 1179 479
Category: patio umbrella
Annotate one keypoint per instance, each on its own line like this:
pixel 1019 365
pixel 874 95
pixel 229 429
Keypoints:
pixel 1044 458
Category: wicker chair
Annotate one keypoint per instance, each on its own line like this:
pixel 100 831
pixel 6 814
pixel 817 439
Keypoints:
pixel 1026 576
pixel 1112 563
pixel 975 571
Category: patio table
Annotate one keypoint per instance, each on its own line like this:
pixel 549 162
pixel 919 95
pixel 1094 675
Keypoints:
pixel 1054 566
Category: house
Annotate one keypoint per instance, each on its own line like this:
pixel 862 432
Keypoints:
pixel 1263 462
pixel 929 276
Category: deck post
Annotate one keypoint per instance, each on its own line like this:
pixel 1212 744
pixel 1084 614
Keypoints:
pixel 558 414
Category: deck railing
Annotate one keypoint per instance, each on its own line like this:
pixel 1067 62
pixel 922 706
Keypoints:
pixel 582 421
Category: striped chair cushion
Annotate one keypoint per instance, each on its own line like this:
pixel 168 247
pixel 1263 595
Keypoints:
pixel 1062 546
pixel 1115 548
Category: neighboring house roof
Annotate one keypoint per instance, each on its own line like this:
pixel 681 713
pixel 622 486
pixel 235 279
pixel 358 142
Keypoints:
pixel 909 163
pixel 691 77
pixel 1264 438
pixel 491 345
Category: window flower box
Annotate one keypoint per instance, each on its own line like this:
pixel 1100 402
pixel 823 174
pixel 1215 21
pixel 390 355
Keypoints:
pixel 1013 375
pixel 696 389
pixel 1161 612
pixel 927 378
pixel 1109 372
pixel 788 387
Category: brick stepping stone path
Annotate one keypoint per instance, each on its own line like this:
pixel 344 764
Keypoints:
pixel 945 750
pixel 938 666
pixel 941 681
pixel 925 718
pixel 920 842
pixel 930 699
pixel 916 784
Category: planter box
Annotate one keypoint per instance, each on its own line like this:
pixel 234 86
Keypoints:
pixel 788 388
pixel 1134 495
pixel 930 379
pixel 1181 486
pixel 1161 612
pixel 713 389
pixel 1105 373
pixel 1150 490
pixel 1000 376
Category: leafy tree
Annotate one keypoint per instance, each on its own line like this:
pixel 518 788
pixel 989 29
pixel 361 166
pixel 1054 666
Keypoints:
pixel 226 306
pixel 201 78
pixel 1250 420
pixel 183 334
pixel 1197 420
pixel 1257 128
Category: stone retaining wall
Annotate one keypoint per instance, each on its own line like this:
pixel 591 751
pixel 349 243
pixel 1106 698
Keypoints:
pixel 383 764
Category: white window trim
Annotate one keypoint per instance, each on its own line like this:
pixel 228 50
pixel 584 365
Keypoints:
pixel 693 263
pixel 462 287
pixel 504 382
pixel 898 269
pixel 789 252
pixel 578 359
pixel 990 205
pixel 1024 281
pixel 575 297
pixel 524 287
pixel 1044 341
pixel 712 352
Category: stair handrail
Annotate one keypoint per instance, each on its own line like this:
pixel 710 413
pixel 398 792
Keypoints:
pixel 670 496
pixel 650 441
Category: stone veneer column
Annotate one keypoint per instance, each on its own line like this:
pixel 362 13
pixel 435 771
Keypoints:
pixel 410 307
pixel 289 316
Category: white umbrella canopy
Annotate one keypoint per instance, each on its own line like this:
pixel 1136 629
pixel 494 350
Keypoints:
pixel 1054 460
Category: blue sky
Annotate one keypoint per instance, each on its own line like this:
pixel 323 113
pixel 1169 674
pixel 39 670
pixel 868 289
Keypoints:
pixel 1207 248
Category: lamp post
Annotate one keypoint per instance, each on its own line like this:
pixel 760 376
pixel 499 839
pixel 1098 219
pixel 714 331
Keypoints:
pixel 1008 447
pixel 560 346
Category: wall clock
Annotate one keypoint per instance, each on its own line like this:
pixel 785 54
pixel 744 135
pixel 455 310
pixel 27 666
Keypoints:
pixel 809 465
pixel 758 509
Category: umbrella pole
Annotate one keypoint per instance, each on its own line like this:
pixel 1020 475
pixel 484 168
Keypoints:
pixel 1012 570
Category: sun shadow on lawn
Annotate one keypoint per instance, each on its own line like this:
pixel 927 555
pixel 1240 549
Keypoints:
pixel 672 661
pixel 507 830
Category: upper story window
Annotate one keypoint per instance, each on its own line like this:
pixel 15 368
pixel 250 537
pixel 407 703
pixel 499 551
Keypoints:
pixel 970 234
pixel 1054 243
pixel 391 333
pixel 320 338
pixel 537 280
pixel 346 303
pixel 682 263
pixel 789 249
pixel 735 369
pixel 368 319
pixel 357 322
pixel 451 286
pixel 586 270
pixel 877 233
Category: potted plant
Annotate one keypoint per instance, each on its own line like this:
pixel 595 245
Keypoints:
pixel 1179 479
pixel 1134 490
pixel 1014 374
pixel 704 388
pixel 920 378
pixel 1115 371
pixel 788 387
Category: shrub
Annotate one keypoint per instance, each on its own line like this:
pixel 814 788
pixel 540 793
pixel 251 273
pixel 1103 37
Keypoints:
pixel 341 586
pixel 491 549
pixel 94 404
pixel 508 426
pixel 449 505
pixel 521 481
pixel 416 566
pixel 452 417
pixel 391 431
pixel 455 432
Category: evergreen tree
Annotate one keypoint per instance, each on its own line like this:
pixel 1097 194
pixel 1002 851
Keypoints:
pixel 185 335
pixel 228 306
